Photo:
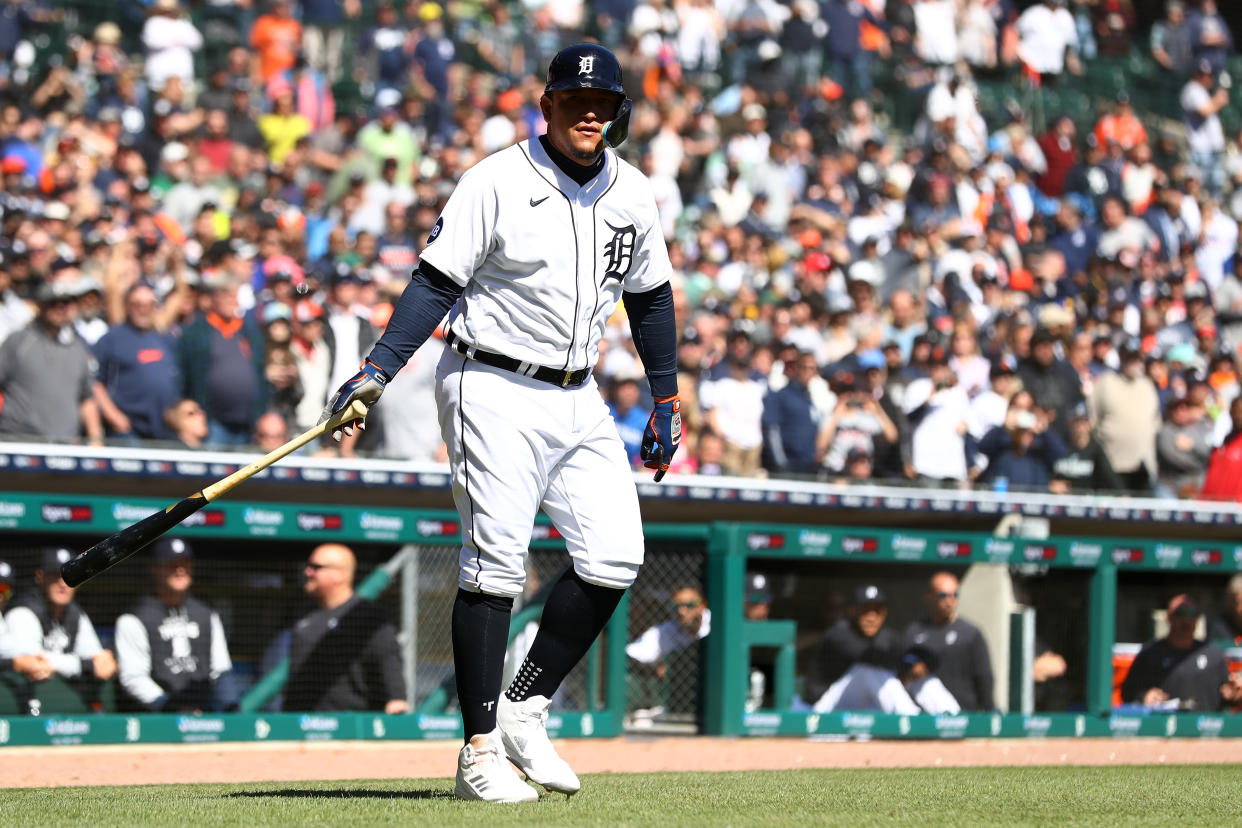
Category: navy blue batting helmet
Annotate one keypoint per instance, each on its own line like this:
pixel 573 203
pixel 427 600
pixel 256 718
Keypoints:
pixel 591 66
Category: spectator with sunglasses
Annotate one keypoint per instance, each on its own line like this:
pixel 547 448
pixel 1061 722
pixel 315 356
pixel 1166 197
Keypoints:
pixel 965 667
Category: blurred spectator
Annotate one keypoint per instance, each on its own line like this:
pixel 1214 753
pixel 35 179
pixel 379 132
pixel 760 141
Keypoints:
pixel 691 622
pixel 137 378
pixel 276 38
pixel 1060 154
pixel 1227 625
pixel 960 650
pixel 1049 39
pixel 1084 467
pixel 792 422
pixel 734 408
pixel 941 423
pixel 847 61
pixel 46 620
pixel 1210 38
pixel 1183 447
pixel 343 655
pixel 624 404
pixel 171 41
pixel 1052 382
pixel 47 347
pixel 222 357
pixel 1201 106
pixel 991 405
pixel 1170 40
pixel 33 666
pixel 1126 409
pixel 857 424
pixel 323 35
pixel 1121 125
pixel 186 422
pixel 1179 672
pixel 170 646
pixel 1022 452
pixel 271 431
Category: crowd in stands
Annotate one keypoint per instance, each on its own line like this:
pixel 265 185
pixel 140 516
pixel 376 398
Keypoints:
pixel 202 239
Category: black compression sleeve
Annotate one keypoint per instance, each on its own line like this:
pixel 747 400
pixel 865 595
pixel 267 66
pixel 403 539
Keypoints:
pixel 429 295
pixel 653 324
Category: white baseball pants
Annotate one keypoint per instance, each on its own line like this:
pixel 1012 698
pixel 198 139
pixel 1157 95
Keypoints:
pixel 517 445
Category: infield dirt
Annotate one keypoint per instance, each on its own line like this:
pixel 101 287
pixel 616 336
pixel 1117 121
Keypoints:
pixel 291 761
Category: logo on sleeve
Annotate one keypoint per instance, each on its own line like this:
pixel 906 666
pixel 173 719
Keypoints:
pixel 435 231
pixel 619 252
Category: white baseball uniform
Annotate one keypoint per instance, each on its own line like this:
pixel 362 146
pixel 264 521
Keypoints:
pixel 543 262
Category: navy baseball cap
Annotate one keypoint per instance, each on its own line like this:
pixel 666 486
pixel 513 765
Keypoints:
pixel 757 591
pixel 168 550
pixel 870 594
pixel 53 558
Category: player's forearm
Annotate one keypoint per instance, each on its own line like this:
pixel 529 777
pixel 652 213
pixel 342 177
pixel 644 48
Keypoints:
pixel 426 299
pixel 653 325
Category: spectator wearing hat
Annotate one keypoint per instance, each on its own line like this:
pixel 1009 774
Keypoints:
pixel 855 664
pixel 942 425
pixel 1023 450
pixel 1052 381
pixel 964 665
pixel 46 620
pixel 313 357
pixel 348 333
pixel 792 422
pixel 138 377
pixel 1180 672
pixel 1183 448
pixel 1085 468
pixel 222 357
pixel 33 666
pixel 857 423
pixel 170 646
pixel 1126 408
pixel 62 409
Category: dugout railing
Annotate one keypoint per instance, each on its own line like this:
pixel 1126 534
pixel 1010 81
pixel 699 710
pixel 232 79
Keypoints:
pixel 601 698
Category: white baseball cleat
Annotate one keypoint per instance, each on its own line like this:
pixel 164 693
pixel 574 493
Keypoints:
pixel 524 734
pixel 483 774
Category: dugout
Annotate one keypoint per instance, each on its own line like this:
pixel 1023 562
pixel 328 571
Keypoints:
pixel 249 552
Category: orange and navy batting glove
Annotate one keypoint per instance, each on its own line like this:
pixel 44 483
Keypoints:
pixel 662 435
pixel 366 385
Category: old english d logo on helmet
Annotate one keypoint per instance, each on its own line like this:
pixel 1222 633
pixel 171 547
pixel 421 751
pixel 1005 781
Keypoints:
pixel 591 66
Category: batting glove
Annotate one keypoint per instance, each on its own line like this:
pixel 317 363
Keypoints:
pixel 366 385
pixel 662 435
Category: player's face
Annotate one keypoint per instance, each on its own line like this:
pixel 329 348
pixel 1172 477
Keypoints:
pixel 576 119
pixel 176 576
pixel 871 619
pixel 943 597
pixel 59 594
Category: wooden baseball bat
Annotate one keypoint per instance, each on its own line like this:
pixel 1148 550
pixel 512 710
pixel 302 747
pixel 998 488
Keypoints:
pixel 116 548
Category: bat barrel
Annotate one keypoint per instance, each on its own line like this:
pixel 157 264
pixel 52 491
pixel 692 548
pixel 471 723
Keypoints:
pixel 116 548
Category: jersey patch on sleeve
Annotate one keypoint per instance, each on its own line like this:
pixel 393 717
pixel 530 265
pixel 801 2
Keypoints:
pixel 435 231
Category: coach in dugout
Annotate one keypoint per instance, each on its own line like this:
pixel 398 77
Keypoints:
pixel 170 646
pixel 958 645
pixel 344 655
pixel 33 666
pixel 46 620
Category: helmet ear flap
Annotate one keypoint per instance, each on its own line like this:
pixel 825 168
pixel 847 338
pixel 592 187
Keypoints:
pixel 618 129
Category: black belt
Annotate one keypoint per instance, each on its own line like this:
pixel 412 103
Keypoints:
pixel 554 376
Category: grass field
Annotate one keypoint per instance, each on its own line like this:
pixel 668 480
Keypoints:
pixel 1149 795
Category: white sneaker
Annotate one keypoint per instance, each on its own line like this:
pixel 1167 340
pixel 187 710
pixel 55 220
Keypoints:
pixel 524 734
pixel 483 774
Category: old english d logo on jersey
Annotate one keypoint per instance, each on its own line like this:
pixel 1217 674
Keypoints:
pixel 619 252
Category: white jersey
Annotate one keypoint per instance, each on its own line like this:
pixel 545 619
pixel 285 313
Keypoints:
pixel 543 261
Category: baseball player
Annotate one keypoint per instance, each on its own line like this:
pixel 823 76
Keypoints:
pixel 533 251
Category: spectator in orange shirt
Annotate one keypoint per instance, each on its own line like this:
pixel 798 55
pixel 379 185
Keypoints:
pixel 1121 126
pixel 277 37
